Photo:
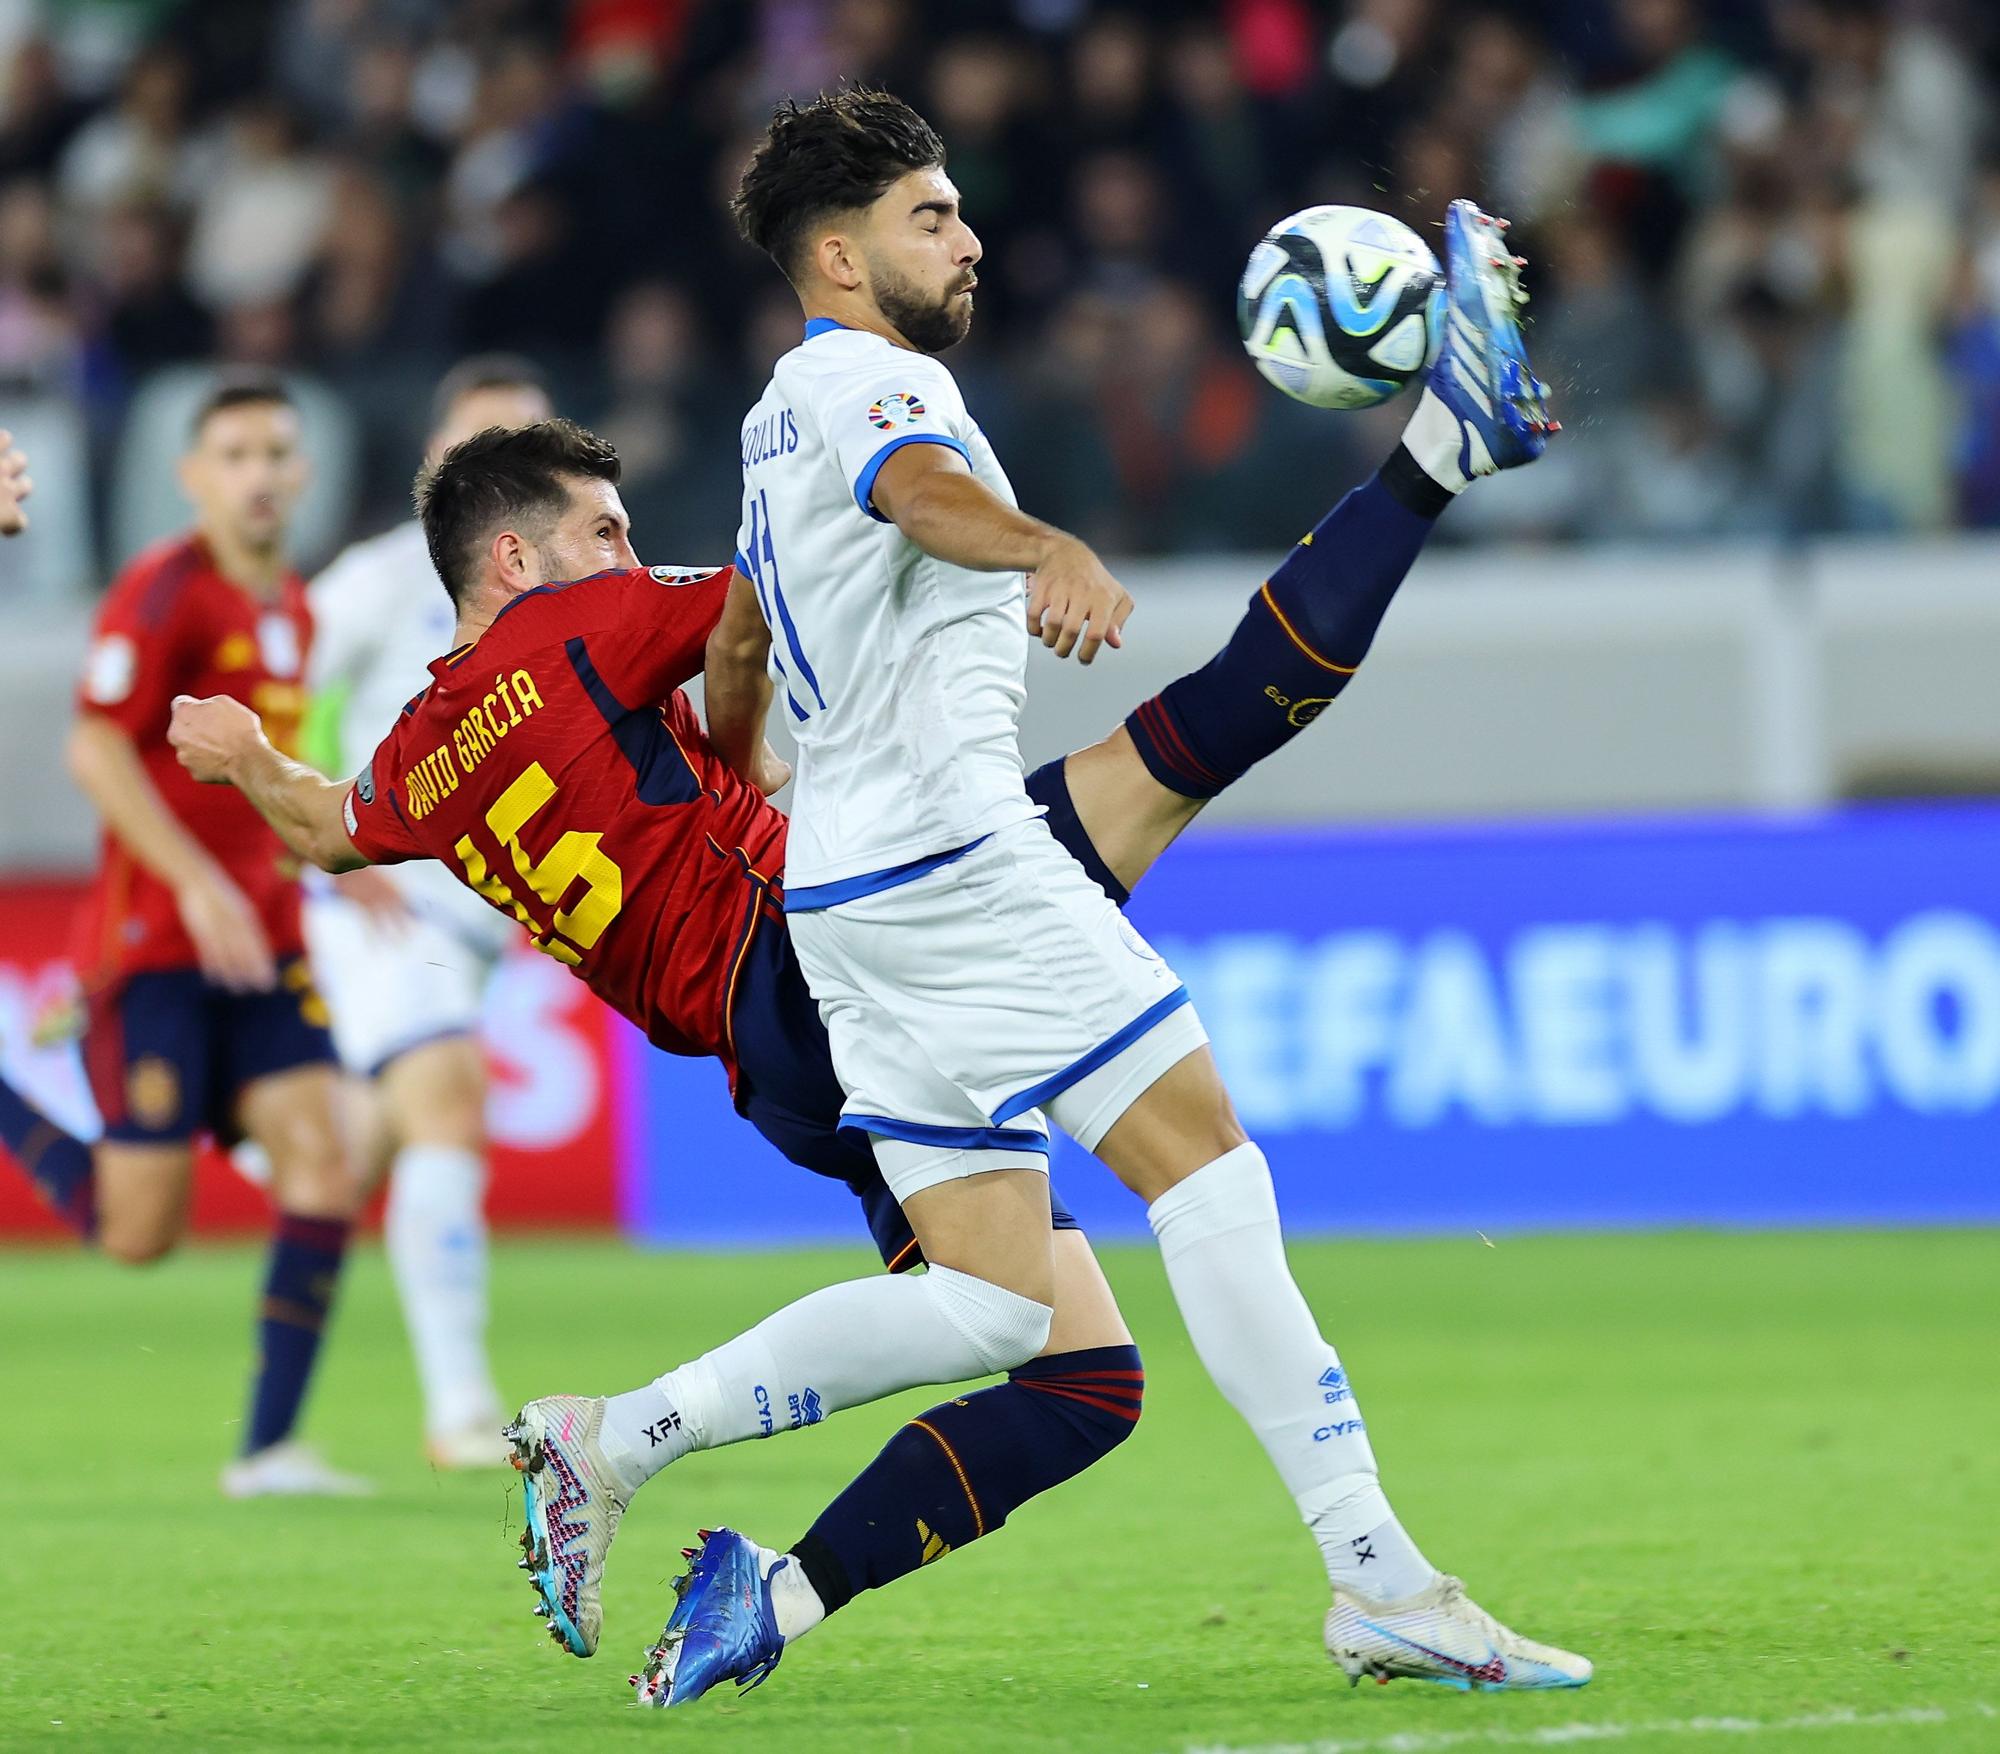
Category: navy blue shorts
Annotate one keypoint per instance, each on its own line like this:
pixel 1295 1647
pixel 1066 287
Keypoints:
pixel 787 1090
pixel 167 1053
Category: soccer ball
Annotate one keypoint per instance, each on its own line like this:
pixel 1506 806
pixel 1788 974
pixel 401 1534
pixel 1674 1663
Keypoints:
pixel 1341 307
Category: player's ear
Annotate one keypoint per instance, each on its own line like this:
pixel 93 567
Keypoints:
pixel 515 560
pixel 837 258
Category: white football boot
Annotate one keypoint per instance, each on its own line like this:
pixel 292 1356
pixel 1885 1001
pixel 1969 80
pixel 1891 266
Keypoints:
pixel 468 1448
pixel 290 1470
pixel 573 1499
pixel 1442 1635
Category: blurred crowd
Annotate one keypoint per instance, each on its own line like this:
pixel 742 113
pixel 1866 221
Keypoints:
pixel 1765 238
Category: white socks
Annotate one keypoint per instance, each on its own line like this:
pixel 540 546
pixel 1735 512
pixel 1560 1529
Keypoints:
pixel 435 1234
pixel 1225 1259
pixel 1436 439
pixel 840 1347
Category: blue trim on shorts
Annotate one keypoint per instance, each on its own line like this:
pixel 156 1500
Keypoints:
pixel 816 896
pixel 1078 1070
pixel 949 1138
pixel 864 483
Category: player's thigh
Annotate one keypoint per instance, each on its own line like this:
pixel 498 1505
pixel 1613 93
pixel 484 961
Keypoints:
pixel 1087 1315
pixel 1129 817
pixel 435 1094
pixel 1180 1122
pixel 295 1116
pixel 993 1225
pixel 143 1193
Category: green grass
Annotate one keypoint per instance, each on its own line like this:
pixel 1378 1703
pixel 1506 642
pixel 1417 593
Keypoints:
pixel 1752 1476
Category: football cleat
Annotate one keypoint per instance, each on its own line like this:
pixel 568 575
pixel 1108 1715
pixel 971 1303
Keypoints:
pixel 1442 1635
pixel 573 1503
pixel 468 1448
pixel 723 1627
pixel 290 1470
pixel 1482 374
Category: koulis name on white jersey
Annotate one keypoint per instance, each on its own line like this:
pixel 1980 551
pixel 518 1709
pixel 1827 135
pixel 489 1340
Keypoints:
pixel 902 677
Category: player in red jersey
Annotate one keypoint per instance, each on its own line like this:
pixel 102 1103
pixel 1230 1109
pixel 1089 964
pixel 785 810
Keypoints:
pixel 579 853
pixel 201 1013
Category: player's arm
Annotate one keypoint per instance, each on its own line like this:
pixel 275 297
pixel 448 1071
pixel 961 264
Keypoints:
pixel 929 492
pixel 221 742
pixel 736 689
pixel 225 929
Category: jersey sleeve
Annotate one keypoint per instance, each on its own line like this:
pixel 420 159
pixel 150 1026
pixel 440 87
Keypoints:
pixel 137 658
pixel 372 816
pixel 869 412
pixel 665 617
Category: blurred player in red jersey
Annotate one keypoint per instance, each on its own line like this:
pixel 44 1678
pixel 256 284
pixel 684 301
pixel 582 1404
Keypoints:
pixel 201 1012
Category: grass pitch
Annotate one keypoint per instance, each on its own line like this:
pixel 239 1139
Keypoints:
pixel 1753 1476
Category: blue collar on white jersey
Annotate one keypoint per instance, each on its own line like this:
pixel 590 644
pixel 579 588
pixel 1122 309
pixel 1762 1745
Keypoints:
pixel 821 326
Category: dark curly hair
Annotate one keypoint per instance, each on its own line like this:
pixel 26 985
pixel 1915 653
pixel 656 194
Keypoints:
pixel 502 476
pixel 835 154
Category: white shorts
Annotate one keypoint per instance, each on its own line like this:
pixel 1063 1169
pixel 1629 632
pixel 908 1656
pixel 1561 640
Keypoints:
pixel 391 990
pixel 996 988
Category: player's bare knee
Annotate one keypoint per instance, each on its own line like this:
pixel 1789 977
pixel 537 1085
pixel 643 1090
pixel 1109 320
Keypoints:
pixel 1182 1123
pixel 437 1095
pixel 137 1244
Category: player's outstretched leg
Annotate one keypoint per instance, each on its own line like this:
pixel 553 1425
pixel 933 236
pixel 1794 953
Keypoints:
pixel 57 1162
pixel 841 1346
pixel 950 1477
pixel 1310 625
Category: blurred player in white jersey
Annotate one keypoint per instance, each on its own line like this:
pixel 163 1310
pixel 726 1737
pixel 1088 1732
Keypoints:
pixel 403 954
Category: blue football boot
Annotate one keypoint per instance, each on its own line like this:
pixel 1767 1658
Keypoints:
pixel 723 1628
pixel 1482 376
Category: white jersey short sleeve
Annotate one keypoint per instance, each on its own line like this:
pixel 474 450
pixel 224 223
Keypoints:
pixel 902 676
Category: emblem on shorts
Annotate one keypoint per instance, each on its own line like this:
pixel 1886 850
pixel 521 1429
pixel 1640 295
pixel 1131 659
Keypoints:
pixel 901 409
pixel 153 1092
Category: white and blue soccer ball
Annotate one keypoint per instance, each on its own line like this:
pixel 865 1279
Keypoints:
pixel 1341 307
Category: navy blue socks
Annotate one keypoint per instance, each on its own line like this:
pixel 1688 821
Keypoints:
pixel 58 1163
pixel 298 1291
pixel 955 1473
pixel 1301 641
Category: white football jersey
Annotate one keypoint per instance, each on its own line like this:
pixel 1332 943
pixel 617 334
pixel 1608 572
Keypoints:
pixel 380 615
pixel 902 677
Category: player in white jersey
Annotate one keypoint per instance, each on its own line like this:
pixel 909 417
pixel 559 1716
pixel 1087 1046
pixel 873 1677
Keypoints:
pixel 403 953
pixel 975 983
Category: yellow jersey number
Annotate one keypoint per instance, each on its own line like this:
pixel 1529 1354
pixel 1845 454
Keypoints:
pixel 576 856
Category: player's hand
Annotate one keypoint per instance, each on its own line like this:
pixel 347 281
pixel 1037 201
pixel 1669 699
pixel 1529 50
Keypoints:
pixel 15 486
pixel 772 773
pixel 209 735
pixel 227 935
pixel 378 897
pixel 1074 604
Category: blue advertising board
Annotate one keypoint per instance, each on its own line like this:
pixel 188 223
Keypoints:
pixel 1717 1021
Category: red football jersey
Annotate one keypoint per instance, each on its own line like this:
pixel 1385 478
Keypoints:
pixel 172 624
pixel 554 766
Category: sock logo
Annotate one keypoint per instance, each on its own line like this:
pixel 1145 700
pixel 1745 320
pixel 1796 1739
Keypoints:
pixel 1340 1428
pixel 1364 1549
pixel 935 1546
pixel 806 1409
pixel 1298 713
pixel 763 1398
pixel 1334 1381
pixel 659 1433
